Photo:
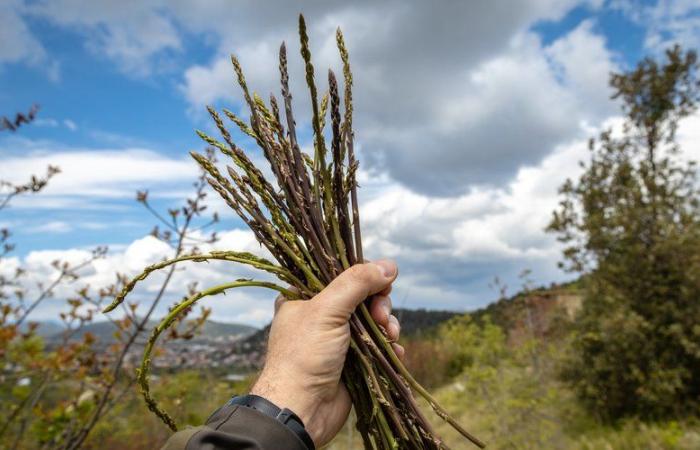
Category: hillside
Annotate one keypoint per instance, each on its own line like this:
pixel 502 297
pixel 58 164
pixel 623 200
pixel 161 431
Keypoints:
pixel 45 329
pixel 536 309
pixel 416 322
pixel 104 331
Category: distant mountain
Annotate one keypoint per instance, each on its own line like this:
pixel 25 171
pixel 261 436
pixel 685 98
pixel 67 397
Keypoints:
pixel 213 329
pixel 44 329
pixel 104 331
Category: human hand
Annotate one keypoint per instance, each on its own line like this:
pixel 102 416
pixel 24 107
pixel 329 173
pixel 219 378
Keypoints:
pixel 309 341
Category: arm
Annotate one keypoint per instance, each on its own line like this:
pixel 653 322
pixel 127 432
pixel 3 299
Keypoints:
pixel 306 353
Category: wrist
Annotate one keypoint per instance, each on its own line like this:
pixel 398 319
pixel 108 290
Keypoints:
pixel 296 399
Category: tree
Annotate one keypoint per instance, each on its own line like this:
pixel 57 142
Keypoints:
pixel 631 225
pixel 54 394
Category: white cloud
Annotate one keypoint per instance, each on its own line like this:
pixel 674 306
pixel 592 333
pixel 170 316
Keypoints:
pixel 436 101
pixel 475 79
pixel 666 22
pixel 688 136
pixel 584 63
pixel 54 226
pixel 131 33
pixel 50 122
pixel 88 175
pixel 204 85
pixel 248 305
pixel 18 42
pixel 672 21
pixel 70 124
pixel 448 248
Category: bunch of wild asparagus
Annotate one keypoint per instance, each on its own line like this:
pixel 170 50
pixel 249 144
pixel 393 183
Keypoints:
pixel 309 221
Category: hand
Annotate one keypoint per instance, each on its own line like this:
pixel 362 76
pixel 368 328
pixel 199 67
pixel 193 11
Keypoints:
pixel 309 341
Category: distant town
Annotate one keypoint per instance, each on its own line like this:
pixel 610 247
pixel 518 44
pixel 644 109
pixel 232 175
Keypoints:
pixel 239 352
pixel 235 349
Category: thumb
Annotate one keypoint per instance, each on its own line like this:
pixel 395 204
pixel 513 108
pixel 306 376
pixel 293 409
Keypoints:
pixel 353 286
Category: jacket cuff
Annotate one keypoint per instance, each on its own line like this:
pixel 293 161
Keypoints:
pixel 234 426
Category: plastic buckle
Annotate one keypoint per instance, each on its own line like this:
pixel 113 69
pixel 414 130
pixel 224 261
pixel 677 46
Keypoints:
pixel 285 415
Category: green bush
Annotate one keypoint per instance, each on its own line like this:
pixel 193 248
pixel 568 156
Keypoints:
pixel 631 224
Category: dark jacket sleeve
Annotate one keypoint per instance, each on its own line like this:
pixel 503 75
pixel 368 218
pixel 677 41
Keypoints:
pixel 235 427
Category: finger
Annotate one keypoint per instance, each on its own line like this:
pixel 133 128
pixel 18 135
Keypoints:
pixel 354 285
pixel 380 308
pixel 399 350
pixel 386 290
pixel 394 328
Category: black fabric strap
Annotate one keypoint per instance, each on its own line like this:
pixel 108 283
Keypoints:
pixel 285 416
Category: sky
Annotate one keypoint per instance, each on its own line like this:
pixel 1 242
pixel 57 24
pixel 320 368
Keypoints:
pixel 469 115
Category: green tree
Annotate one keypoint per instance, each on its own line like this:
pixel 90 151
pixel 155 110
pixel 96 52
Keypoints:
pixel 631 225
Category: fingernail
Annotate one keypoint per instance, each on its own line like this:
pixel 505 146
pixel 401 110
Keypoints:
pixel 387 267
pixel 394 325
pixel 399 350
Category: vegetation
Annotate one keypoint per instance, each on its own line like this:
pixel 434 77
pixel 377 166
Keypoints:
pixel 505 383
pixel 54 396
pixel 509 388
pixel 632 225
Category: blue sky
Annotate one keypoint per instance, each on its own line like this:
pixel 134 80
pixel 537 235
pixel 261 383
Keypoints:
pixel 466 123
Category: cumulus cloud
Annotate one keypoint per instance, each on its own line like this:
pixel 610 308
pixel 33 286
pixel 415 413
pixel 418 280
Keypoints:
pixel 468 102
pixel 437 84
pixel 447 248
pixel 583 64
pixel 509 111
pixel 450 247
pixel 246 305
